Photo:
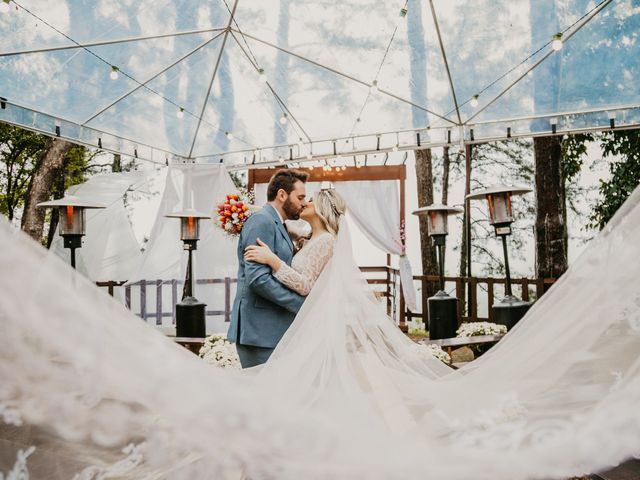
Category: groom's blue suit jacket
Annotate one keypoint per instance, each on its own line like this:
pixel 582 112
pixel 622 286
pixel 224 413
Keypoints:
pixel 263 308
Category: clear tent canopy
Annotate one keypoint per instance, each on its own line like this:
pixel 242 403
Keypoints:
pixel 255 83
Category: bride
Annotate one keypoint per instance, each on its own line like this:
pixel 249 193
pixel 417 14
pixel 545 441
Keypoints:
pixel 322 213
pixel 86 388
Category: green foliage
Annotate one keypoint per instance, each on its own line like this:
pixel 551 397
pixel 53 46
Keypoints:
pixel 239 179
pixel 624 147
pixel 76 163
pixel 574 149
pixel 19 152
pixel 508 162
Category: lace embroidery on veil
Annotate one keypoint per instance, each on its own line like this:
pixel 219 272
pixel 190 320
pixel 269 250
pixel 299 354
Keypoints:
pixel 345 395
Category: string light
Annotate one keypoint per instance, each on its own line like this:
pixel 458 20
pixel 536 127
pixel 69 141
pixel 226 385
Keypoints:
pixel 114 72
pixel 281 159
pixel 556 44
pixel 180 113
pixel 374 87
pixel 229 135
pixel 395 148
pixel 403 12
pixel 474 101
pixel 283 118
pixel 309 156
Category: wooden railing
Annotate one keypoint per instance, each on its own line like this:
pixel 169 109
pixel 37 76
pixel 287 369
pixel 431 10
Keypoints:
pixel 384 281
pixel 160 312
pixel 466 290
pixel 389 278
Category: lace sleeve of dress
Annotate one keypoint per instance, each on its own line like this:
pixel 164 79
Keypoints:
pixel 316 255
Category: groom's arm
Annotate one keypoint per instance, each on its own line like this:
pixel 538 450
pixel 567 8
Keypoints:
pixel 259 277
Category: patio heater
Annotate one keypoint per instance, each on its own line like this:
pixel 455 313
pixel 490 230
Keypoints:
pixel 190 313
pixel 443 309
pixel 510 309
pixel 71 220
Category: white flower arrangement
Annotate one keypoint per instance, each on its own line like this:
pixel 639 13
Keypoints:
pixel 219 351
pixel 431 350
pixel 472 329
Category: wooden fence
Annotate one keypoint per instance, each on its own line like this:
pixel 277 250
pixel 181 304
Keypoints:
pixel 384 281
pixel 468 290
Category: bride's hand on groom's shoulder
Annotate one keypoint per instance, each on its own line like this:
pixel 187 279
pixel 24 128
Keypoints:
pixel 261 253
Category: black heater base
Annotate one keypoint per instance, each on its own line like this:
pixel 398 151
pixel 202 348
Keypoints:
pixel 443 316
pixel 509 311
pixel 190 318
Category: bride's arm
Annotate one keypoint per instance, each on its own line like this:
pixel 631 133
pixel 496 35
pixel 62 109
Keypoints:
pixel 317 256
pixel 299 281
pixel 261 253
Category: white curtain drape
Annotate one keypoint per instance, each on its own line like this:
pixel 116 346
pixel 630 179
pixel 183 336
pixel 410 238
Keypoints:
pixel 201 187
pixel 375 208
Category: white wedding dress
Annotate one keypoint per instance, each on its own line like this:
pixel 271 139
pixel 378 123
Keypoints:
pixel 88 389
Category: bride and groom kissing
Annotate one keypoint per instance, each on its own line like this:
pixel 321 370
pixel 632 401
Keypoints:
pixel 272 283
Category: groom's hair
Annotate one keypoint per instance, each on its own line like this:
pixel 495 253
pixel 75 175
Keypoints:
pixel 285 180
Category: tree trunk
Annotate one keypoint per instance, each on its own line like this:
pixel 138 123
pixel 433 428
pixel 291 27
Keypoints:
pixel 50 166
pixel 424 180
pixel 465 246
pixel 58 192
pixel 446 162
pixel 551 230
pixel 446 166
pixel 116 165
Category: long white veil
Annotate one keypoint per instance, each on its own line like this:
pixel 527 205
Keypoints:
pixel 345 395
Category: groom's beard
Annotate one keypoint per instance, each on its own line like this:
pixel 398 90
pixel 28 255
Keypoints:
pixel 290 211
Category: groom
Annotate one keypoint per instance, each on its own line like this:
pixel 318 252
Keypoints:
pixel 264 308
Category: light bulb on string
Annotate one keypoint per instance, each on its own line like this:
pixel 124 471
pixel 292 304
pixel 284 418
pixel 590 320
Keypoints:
pixel 474 101
pixel 283 119
pixel 556 43
pixel 262 77
pixel 309 156
pixel 403 12
pixel 395 148
pixel 229 135
pixel 180 113
pixel 374 87
pixel 281 159
pixel 114 72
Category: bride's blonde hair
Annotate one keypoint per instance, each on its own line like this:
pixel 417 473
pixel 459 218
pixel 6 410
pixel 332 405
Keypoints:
pixel 330 206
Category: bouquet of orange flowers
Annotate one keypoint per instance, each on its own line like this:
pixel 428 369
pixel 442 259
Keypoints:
pixel 232 213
